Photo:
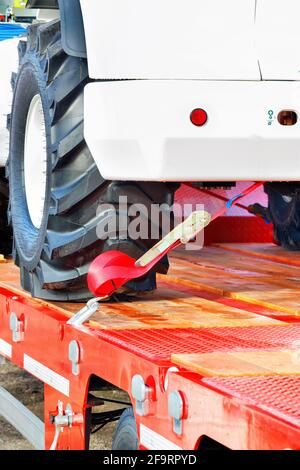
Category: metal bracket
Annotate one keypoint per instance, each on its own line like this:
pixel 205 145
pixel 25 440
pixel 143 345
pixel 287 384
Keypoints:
pixel 140 392
pixel 85 313
pixel 183 232
pixel 64 419
pixel 61 420
pixel 74 356
pixel 17 328
pixel 176 410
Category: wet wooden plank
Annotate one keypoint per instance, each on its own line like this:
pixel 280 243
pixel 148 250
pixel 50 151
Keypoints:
pixel 241 277
pixel 220 271
pixel 265 251
pixel 168 307
pixel 242 363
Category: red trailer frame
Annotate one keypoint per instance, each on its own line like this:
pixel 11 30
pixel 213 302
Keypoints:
pixel 175 407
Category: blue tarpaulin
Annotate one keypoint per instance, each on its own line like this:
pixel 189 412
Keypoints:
pixel 10 30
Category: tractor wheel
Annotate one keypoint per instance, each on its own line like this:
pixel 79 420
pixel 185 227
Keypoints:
pixel 284 212
pixel 5 231
pixel 58 198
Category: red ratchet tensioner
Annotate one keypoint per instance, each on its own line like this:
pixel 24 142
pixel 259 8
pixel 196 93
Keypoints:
pixel 111 270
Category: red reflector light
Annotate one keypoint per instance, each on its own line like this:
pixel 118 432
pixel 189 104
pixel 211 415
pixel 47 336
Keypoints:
pixel 199 117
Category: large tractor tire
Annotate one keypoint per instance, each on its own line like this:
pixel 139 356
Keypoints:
pixel 284 212
pixel 56 188
pixel 5 230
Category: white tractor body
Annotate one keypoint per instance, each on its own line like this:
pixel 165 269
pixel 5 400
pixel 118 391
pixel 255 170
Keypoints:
pixel 143 130
pixel 171 39
pixel 236 60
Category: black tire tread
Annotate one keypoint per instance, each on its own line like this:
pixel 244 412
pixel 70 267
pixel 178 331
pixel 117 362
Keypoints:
pixel 285 216
pixel 5 230
pixel 126 432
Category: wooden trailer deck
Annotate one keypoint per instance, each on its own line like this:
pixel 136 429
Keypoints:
pixel 226 316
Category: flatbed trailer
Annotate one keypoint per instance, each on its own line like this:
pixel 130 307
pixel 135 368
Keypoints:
pixel 213 353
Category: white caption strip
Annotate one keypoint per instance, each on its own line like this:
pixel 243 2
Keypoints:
pixel 5 349
pixel 47 375
pixel 154 441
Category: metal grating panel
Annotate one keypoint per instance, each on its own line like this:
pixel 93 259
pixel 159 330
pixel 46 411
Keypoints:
pixel 279 396
pixel 155 344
